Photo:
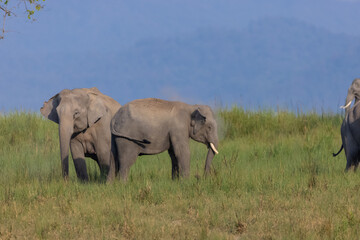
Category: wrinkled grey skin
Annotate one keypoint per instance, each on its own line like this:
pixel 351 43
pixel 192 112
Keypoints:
pixel 84 117
pixel 353 93
pixel 151 126
pixel 350 135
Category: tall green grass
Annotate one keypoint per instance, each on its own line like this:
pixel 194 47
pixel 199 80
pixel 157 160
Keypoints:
pixel 275 178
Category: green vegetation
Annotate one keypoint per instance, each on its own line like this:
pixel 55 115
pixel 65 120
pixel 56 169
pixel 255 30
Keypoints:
pixel 13 8
pixel 275 178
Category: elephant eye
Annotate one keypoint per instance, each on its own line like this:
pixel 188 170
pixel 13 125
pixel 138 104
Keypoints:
pixel 209 128
pixel 76 114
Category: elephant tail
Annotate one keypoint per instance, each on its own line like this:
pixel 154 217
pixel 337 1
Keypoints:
pixel 335 154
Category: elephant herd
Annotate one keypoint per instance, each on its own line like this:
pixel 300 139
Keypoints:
pixel 94 125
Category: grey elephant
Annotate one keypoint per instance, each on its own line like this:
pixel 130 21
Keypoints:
pixel 353 93
pixel 84 117
pixel 151 126
pixel 350 135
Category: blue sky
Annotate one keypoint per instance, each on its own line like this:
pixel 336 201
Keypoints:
pixel 76 28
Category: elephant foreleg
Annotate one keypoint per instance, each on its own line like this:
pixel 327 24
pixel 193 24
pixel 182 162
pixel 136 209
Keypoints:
pixel 77 152
pixel 351 160
pixel 182 154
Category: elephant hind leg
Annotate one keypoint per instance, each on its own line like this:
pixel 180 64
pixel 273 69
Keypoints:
pixel 351 160
pixel 351 151
pixel 106 165
pixel 127 152
pixel 114 155
pixel 174 163
pixel 356 164
pixel 348 166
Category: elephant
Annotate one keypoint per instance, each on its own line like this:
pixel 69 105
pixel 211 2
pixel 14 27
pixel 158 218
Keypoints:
pixel 350 135
pixel 353 92
pixel 84 116
pixel 151 126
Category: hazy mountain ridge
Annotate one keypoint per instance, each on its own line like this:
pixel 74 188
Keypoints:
pixel 301 62
pixel 274 61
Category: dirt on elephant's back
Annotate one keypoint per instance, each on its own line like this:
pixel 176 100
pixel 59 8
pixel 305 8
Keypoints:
pixel 151 108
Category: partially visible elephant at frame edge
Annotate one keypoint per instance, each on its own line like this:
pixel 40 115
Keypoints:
pixel 84 117
pixel 350 130
pixel 353 93
pixel 151 126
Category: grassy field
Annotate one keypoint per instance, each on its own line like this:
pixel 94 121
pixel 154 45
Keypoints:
pixel 275 178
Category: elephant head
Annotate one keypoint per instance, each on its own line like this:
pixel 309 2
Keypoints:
pixel 353 92
pixel 75 111
pixel 203 128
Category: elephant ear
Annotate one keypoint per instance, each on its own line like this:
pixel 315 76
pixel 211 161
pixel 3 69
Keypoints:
pixel 48 110
pixel 356 89
pixel 94 90
pixel 197 120
pixel 96 110
pixel 353 92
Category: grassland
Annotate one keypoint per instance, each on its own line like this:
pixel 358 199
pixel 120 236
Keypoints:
pixel 275 178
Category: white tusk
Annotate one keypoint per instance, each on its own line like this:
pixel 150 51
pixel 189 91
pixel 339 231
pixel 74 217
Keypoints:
pixel 213 148
pixel 347 105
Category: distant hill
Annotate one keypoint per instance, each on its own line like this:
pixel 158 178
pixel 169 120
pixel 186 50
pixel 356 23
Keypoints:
pixel 274 61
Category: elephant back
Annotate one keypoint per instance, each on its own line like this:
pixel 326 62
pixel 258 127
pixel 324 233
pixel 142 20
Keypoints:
pixel 142 119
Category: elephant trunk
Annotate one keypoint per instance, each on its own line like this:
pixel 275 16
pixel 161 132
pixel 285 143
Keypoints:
pixel 210 155
pixel 65 132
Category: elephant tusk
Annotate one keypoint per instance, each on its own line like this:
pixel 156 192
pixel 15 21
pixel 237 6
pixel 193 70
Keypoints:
pixel 346 106
pixel 213 148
